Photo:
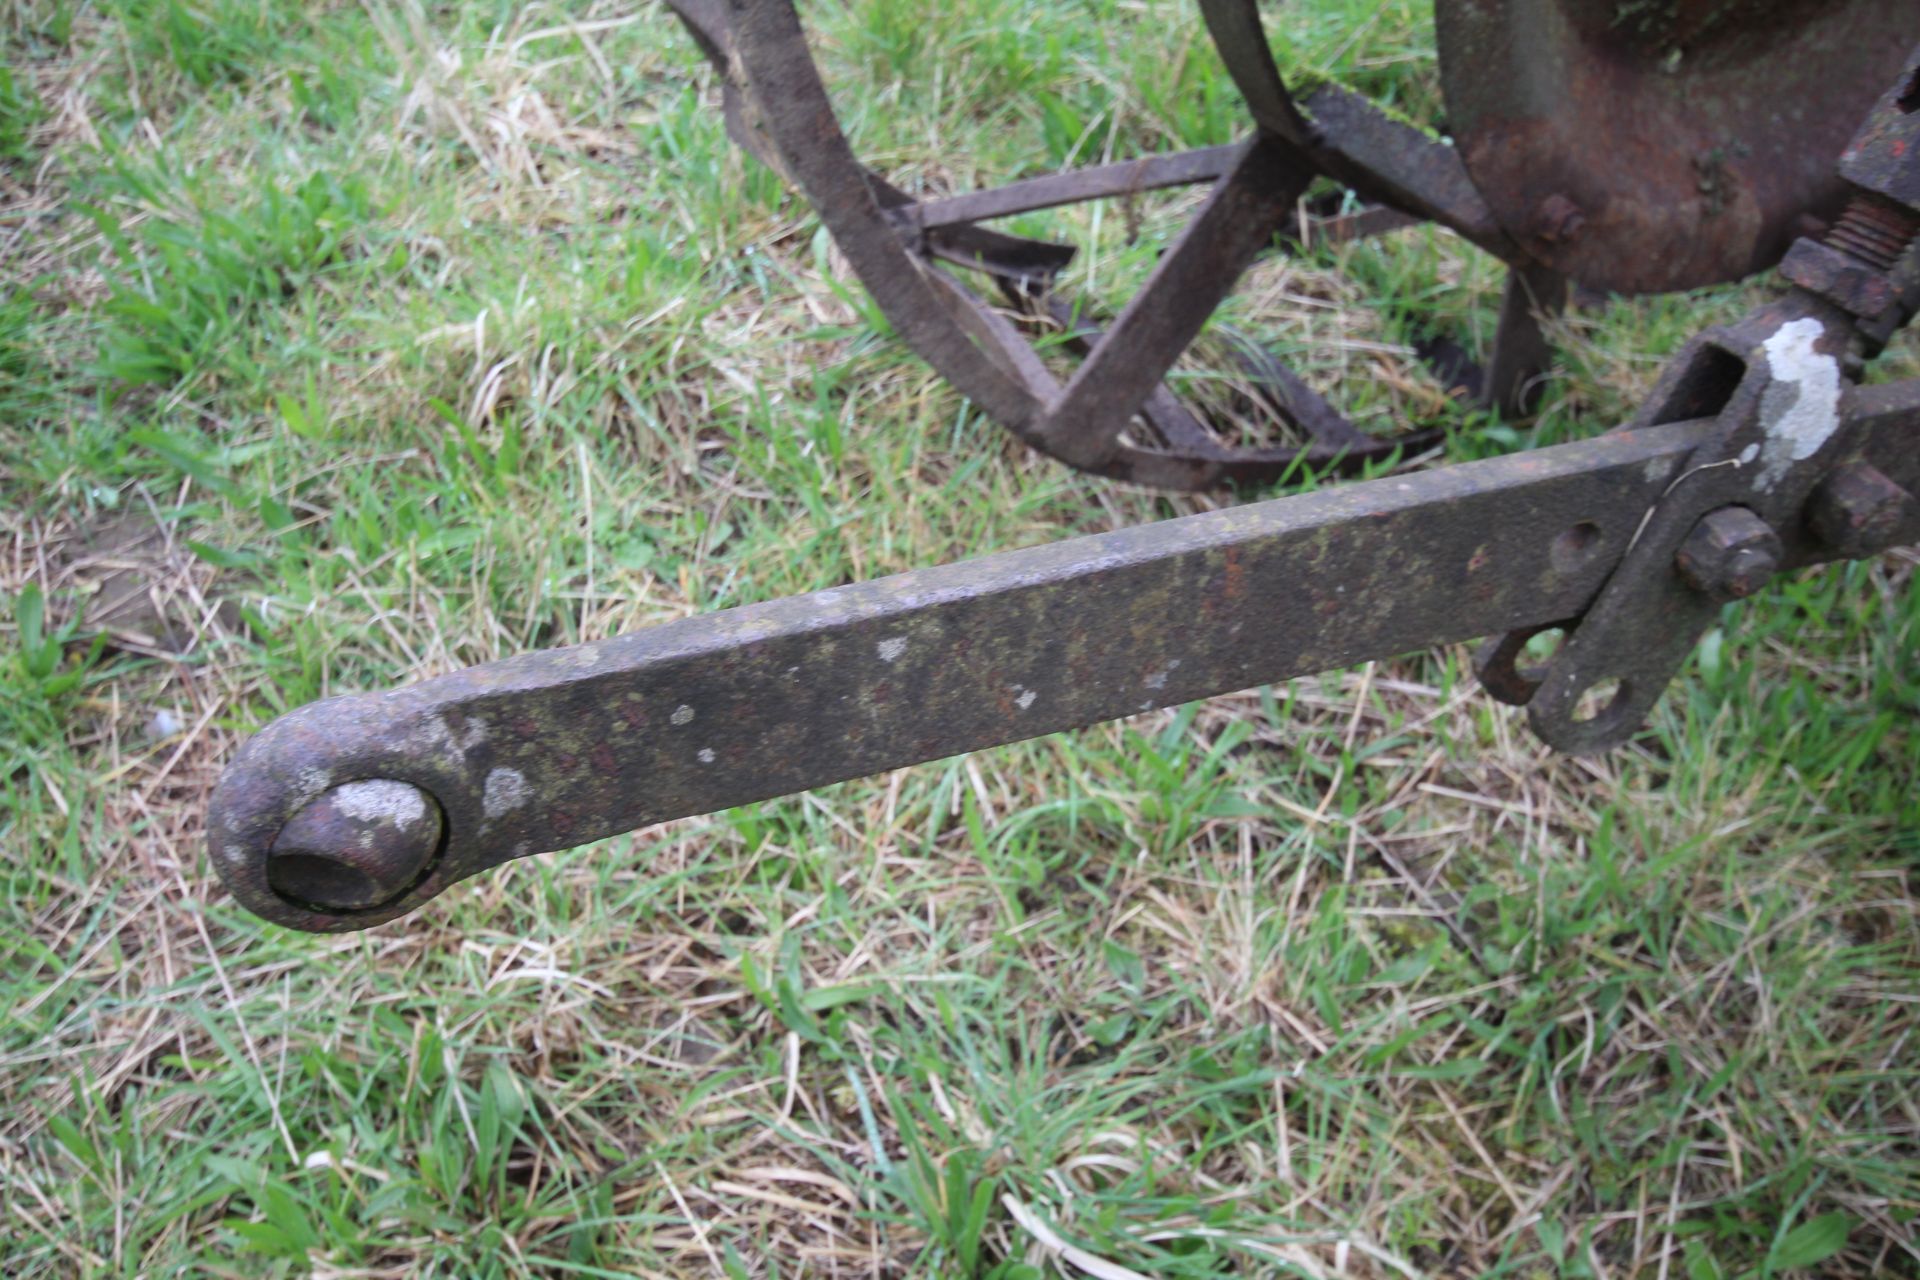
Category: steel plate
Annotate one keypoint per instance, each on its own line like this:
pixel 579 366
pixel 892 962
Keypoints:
pixel 1643 146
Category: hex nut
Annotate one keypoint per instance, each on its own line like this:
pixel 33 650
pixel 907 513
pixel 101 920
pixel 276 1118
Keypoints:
pixel 1858 511
pixel 1853 286
pixel 1729 555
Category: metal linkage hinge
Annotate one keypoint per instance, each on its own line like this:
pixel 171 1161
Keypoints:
pixel 1781 470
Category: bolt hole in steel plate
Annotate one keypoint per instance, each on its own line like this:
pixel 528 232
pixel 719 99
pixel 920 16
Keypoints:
pixel 1539 651
pixel 1599 701
pixel 1691 135
pixel 356 846
pixel 1575 547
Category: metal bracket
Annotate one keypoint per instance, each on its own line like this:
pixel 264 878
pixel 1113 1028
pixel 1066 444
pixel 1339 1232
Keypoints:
pixel 1780 384
pixel 1781 429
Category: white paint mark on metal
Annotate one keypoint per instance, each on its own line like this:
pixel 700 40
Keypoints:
pixel 682 714
pixel 1800 408
pixel 706 755
pixel 1025 700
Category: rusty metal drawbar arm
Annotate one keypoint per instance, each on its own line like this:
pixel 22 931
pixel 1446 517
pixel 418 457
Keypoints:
pixel 1756 453
pixel 358 809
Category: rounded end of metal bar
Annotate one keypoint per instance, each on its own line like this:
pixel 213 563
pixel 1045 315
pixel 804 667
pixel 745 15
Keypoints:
pixel 357 846
pixel 341 816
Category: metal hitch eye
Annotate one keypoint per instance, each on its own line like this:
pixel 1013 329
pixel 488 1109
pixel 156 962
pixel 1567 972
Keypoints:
pixel 356 846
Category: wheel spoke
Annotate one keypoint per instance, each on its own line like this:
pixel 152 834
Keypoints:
pixel 1238 220
pixel 1241 39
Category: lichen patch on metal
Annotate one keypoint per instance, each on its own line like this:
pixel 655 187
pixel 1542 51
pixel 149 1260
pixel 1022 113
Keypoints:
pixel 435 736
pixel 381 800
pixel 506 791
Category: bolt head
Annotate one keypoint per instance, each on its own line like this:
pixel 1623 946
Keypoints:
pixel 1730 554
pixel 1858 511
pixel 1558 219
pixel 357 845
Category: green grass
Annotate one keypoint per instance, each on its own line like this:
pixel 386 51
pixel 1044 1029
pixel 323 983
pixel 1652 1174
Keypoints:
pixel 410 336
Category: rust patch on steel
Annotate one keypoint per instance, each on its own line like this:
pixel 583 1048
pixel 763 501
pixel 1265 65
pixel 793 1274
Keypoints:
pixel 1691 136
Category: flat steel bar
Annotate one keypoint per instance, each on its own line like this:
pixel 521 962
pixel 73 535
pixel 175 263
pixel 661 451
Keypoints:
pixel 1160 321
pixel 1241 38
pixel 1399 165
pixel 1180 429
pixel 772 51
pixel 1348 137
pixel 1314 230
pixel 1149 173
pixel 1336 442
pixel 552 749
pixel 1290 396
